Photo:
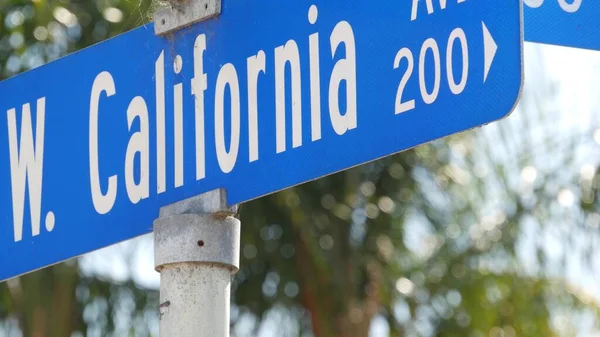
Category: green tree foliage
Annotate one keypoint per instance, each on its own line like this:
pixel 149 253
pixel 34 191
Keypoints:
pixel 434 241
pixel 35 32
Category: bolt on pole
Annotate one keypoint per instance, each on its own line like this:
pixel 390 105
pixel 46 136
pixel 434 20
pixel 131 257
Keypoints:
pixel 197 249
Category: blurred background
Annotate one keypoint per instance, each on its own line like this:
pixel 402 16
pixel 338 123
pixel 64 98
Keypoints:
pixel 492 232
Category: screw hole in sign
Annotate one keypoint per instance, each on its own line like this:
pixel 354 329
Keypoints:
pixel 200 243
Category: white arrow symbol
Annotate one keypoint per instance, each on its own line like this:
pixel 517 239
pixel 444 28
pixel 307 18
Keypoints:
pixel 490 48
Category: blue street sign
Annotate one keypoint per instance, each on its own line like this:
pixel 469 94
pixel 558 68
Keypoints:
pixel 268 95
pixel 572 23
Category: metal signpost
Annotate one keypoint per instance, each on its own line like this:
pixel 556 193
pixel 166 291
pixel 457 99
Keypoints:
pixel 572 23
pixel 267 95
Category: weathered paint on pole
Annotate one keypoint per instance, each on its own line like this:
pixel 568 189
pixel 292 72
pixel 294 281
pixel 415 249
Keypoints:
pixel 197 249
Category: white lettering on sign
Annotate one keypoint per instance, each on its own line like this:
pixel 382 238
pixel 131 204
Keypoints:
pixel 286 63
pixel 161 152
pixel 315 77
pixel 227 78
pixel 257 64
pixel 199 86
pixel 569 6
pixel 343 71
pixel 457 35
pixel 288 54
pixel 178 125
pixel 429 5
pixel 103 202
pixel 431 51
pixel 26 167
pixel 139 145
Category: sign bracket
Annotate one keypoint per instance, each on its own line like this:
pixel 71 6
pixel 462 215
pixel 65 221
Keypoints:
pixel 179 14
